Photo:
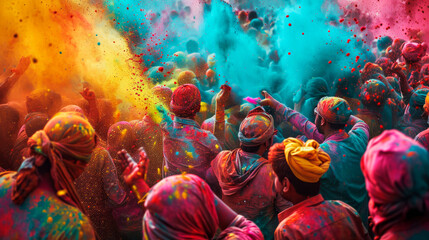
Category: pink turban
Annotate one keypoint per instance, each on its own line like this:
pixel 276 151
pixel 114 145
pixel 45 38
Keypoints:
pixel 397 178
pixel 413 51
pixel 180 207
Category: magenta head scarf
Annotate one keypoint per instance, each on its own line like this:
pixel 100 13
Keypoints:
pixel 180 207
pixel 397 179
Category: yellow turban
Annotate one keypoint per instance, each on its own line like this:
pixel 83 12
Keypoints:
pixel 306 160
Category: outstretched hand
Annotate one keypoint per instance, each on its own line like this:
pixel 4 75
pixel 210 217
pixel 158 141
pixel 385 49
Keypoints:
pixel 88 94
pixel 269 100
pixel 133 171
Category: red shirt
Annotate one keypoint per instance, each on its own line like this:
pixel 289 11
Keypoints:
pixel 315 218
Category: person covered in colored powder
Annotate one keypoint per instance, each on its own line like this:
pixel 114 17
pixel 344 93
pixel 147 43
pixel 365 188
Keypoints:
pixel 415 118
pixel 395 169
pixel 298 169
pixel 186 147
pixel 423 137
pixel 241 173
pixel 183 206
pixel 127 216
pixel 344 180
pixel 373 96
pixel 40 201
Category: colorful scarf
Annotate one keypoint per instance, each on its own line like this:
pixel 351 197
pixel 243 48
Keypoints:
pixel 396 177
pixel 66 138
pixel 180 207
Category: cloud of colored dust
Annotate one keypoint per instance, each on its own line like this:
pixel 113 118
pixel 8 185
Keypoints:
pixel 70 42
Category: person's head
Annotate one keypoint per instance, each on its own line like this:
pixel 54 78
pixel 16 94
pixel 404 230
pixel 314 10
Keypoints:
pixel 186 77
pixel 384 42
pixel 192 46
pixel 373 94
pixel 156 74
pixel 396 174
pixel 370 71
pixel 316 87
pixel 44 101
pixel 417 101
pixel 385 63
pixel 60 152
pixel 242 17
pixel 163 93
pixel 298 167
pixel 120 136
pixel 256 24
pixel 197 64
pixel 179 58
pixel 413 51
pixel 180 207
pixel 347 84
pixel 252 15
pixel 394 51
pixel 34 122
pixel 256 131
pixel 186 101
pixel 332 114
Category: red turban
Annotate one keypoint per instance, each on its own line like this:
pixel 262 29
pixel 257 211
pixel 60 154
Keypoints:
pixel 186 101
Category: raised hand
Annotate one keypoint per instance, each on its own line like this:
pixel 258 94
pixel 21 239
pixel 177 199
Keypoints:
pixel 269 100
pixel 223 96
pixel 88 94
pixel 133 171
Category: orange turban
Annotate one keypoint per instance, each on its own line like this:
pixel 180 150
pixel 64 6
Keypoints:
pixel 306 160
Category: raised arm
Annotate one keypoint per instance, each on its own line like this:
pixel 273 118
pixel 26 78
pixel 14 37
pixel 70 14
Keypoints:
pixel 93 114
pixel 298 120
pixel 219 126
pixel 12 78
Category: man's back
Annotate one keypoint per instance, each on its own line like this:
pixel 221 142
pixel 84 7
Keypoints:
pixel 344 179
pixel 187 148
pixel 247 183
pixel 41 216
pixel 316 218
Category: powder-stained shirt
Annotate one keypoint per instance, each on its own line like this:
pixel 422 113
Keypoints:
pixel 344 179
pixel 41 216
pixel 187 148
pixel 241 175
pixel 315 218
pixel 99 190
pixel 231 132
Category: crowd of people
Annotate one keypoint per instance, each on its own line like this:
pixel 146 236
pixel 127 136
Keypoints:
pixel 347 159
